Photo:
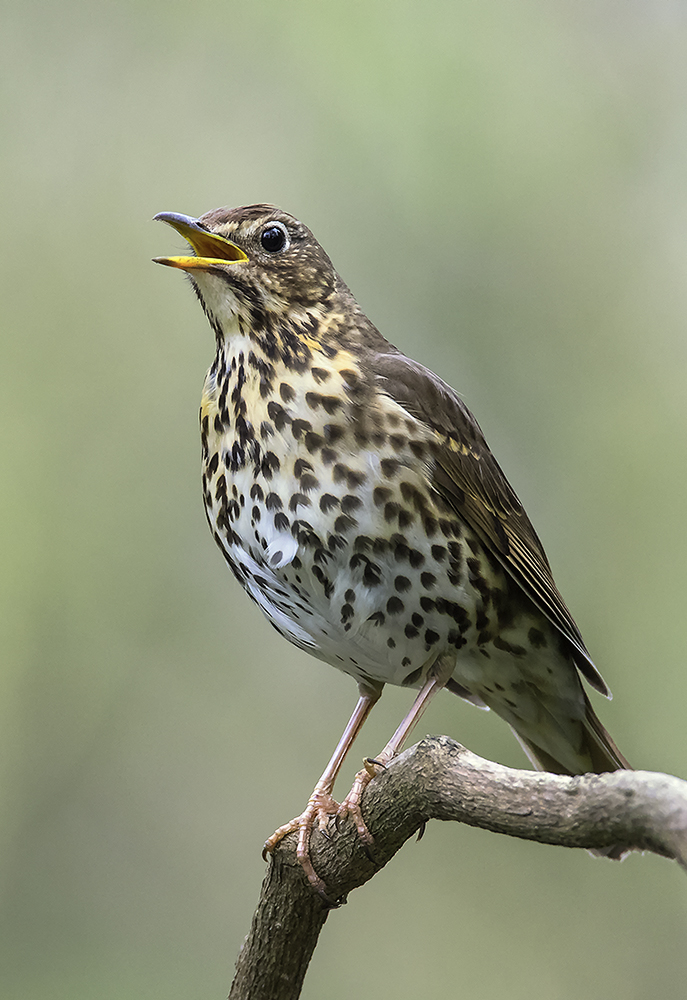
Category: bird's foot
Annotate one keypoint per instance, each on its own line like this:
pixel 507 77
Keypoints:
pixel 319 810
pixel 351 804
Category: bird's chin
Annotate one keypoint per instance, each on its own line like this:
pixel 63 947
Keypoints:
pixel 220 303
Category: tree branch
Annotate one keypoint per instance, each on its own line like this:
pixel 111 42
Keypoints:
pixel 440 779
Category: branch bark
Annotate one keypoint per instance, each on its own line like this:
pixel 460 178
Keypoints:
pixel 440 779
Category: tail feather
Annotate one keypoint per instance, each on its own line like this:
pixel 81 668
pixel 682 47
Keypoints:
pixel 597 747
pixel 601 751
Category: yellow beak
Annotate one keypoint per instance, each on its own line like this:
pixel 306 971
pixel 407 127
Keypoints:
pixel 210 250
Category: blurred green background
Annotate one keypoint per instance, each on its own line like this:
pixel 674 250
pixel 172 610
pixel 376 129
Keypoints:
pixel 503 185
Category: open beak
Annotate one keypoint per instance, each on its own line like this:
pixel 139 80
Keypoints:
pixel 210 249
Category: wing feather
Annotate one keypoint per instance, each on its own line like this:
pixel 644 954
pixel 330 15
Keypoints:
pixel 469 478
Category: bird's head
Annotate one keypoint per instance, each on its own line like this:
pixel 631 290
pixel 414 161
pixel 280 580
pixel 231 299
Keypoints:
pixel 252 260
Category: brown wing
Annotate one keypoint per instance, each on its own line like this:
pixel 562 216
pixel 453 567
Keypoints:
pixel 469 478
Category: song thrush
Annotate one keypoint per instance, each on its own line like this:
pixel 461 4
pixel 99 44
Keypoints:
pixel 356 501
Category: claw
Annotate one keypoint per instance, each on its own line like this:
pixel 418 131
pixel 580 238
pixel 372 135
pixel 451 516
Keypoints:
pixel 369 763
pixel 321 806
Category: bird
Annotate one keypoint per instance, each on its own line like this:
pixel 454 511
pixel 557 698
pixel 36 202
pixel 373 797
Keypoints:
pixel 354 498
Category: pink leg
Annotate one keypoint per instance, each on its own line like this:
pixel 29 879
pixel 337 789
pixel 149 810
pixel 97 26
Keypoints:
pixel 436 680
pixel 321 805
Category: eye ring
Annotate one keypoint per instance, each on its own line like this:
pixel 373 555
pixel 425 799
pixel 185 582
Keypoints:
pixel 275 238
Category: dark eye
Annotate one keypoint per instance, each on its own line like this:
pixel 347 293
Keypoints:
pixel 274 238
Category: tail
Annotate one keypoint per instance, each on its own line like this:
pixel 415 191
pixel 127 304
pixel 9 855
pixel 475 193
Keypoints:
pixel 598 748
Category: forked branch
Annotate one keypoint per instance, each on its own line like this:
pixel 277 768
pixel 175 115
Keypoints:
pixel 440 779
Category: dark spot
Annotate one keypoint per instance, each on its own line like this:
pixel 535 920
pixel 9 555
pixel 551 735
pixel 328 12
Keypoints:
pixel 397 441
pixel 427 604
pixel 405 519
pixel 402 552
pixel 391 510
pixel 300 466
pixel 417 619
pixel 350 377
pixel 354 479
pixel 391 643
pixel 439 552
pixel 395 605
pixel 221 487
pixel 309 483
pixel 269 465
pixel 346 612
pixel 255 492
pixel 299 426
pixel 313 441
pixel 378 618
pixel 344 523
pixel 350 503
pixel 431 637
pixel 508 647
pixel 417 448
pixel 255 514
pixel 406 661
pixel 330 404
pixel 278 414
pixel 429 524
pixel 389 467
pixel 273 501
pixel 537 638
pixel 286 392
pixel 402 583
pixel 281 521
pixel 371 576
pixel 328 502
pixel 428 580
pixel 333 433
pixel 380 495
pixel 298 500
pixel 313 399
pixel 328 455
pixel 455 639
pixel 411 632
pixel 320 374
